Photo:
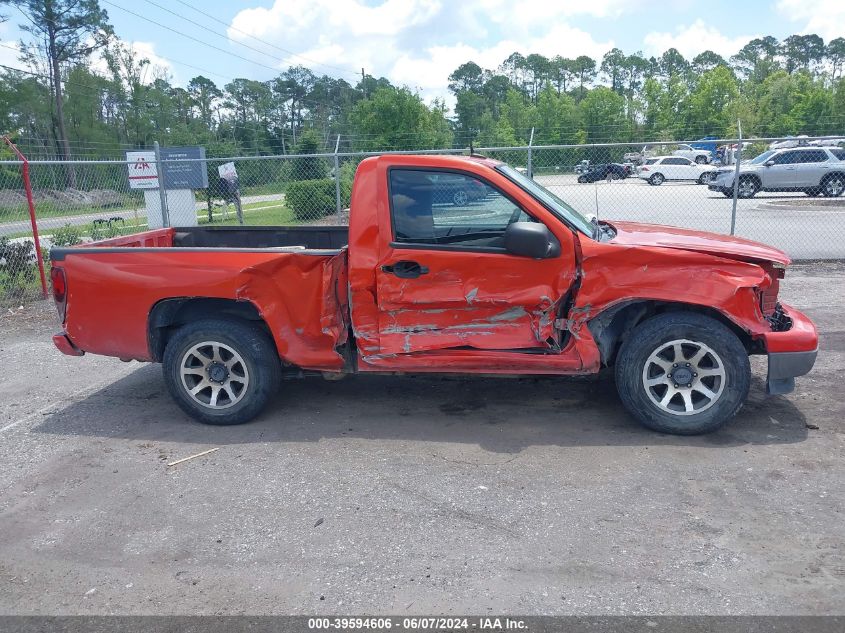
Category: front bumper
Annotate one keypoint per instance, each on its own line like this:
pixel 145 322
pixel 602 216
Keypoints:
pixel 791 352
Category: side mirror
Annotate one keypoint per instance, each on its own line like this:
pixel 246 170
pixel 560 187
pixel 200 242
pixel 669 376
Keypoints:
pixel 769 163
pixel 531 239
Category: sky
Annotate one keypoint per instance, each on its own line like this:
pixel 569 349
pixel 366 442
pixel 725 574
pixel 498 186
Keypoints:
pixel 418 43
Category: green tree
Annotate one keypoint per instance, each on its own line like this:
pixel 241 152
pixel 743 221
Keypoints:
pixel 708 106
pixel 396 118
pixel 603 113
pixel 64 31
pixel 305 167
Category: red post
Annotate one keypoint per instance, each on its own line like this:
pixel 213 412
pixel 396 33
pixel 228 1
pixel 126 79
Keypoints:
pixel 28 188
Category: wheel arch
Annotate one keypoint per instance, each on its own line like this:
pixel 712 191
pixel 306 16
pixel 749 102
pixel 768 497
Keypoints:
pixel 612 326
pixel 168 315
pixel 826 177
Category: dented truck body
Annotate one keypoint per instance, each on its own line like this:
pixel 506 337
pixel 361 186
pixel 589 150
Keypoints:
pixel 371 299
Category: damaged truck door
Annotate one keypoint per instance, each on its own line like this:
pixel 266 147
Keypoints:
pixel 466 264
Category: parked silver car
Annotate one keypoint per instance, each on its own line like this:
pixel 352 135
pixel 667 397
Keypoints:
pixel 817 171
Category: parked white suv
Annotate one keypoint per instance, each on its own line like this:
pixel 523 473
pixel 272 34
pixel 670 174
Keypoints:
pixel 657 170
pixel 816 171
pixel 700 156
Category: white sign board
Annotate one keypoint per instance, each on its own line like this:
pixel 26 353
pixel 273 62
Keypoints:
pixel 142 170
pixel 227 171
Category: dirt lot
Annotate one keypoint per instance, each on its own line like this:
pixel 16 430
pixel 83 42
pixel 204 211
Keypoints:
pixel 420 495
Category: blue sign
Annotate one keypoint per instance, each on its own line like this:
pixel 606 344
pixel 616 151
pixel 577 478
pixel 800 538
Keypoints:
pixel 191 174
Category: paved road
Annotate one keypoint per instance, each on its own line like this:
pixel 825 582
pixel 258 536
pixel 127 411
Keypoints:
pixel 415 495
pixel 792 222
pixel 45 225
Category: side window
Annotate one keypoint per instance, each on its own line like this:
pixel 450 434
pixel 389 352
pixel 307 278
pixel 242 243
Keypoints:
pixel 449 208
pixel 839 154
pixel 676 161
pixel 787 158
pixel 812 156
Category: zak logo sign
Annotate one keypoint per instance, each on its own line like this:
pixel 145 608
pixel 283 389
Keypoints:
pixel 142 170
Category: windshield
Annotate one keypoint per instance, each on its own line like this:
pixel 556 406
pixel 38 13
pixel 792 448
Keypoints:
pixel 762 158
pixel 550 200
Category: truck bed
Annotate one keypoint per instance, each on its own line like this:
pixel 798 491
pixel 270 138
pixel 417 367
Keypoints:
pixel 315 238
pixel 295 277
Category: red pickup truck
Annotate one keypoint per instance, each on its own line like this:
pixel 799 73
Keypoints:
pixel 449 264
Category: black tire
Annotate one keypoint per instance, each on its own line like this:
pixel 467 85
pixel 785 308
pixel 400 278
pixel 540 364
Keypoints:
pixel 704 178
pixel 656 179
pixel 259 358
pixel 727 193
pixel 634 362
pixel 833 186
pixel 701 160
pixel 582 179
pixel 748 187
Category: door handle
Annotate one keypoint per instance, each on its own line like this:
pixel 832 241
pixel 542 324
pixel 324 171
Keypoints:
pixel 405 269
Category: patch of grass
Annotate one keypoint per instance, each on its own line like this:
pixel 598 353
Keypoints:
pixel 48 209
pixel 263 190
pixel 271 213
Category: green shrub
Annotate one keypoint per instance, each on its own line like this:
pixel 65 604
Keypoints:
pixel 66 236
pixel 311 199
pixel 17 267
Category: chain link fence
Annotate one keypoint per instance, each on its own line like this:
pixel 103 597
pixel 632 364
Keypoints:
pixel 674 183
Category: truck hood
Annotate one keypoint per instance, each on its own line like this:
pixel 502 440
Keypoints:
pixel 636 234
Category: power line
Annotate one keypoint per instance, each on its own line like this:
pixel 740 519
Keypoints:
pixel 257 39
pixel 190 37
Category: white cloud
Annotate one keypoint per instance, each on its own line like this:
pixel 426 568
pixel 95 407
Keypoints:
pixel 9 50
pixel 419 43
pixel 823 17
pixel 158 66
pixel 694 39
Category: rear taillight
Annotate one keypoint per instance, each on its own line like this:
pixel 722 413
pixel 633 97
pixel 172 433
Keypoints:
pixel 57 279
pixel 643 168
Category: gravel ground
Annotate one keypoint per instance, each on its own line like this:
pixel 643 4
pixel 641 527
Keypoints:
pixel 379 495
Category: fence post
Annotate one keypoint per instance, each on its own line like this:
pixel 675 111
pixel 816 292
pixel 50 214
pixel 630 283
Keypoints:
pixel 737 161
pixel 530 166
pixel 338 204
pixel 27 185
pixel 162 194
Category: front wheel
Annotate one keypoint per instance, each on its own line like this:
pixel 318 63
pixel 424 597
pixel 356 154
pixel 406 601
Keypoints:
pixel 221 371
pixel 834 186
pixel 582 179
pixel 701 160
pixel 682 373
pixel 748 188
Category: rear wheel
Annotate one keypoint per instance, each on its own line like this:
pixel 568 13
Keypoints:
pixel 701 160
pixel 704 178
pixel 683 373
pixel 582 179
pixel 833 186
pixel 221 371
pixel 656 179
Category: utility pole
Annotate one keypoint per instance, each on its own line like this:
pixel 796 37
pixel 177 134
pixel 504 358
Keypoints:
pixel 364 82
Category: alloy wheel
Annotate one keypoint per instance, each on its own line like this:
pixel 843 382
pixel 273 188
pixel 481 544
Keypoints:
pixel 684 377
